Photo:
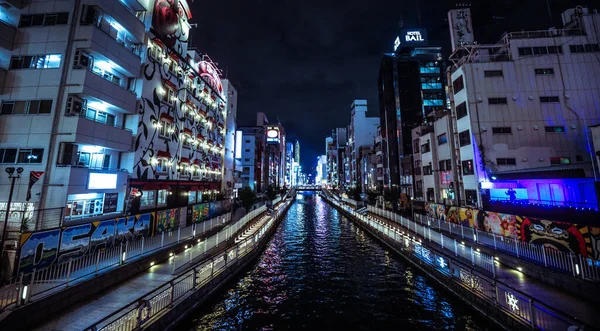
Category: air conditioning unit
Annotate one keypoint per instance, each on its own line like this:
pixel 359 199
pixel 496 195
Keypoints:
pixel 75 106
pixel 82 60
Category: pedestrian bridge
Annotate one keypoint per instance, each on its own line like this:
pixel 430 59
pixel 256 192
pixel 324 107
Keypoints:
pixel 308 187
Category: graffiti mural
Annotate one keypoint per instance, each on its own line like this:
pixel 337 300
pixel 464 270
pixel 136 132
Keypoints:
pixel 204 211
pixel 462 216
pixel 170 23
pixel 556 235
pixel 170 219
pixel 566 237
pixel 43 248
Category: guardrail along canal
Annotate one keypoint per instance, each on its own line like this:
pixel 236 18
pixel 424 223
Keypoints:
pixel 320 271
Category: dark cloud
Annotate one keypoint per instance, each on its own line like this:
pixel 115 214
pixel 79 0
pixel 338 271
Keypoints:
pixel 305 61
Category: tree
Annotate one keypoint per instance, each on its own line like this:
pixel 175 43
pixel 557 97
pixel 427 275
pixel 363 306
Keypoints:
pixel 247 196
pixel 271 193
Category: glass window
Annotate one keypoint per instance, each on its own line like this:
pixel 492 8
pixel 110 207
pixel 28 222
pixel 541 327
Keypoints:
pixel 427 170
pixel 30 155
pixel 106 161
pixel 471 196
pixel 416 146
pixel 425 148
pixel 502 130
pixel 37 20
pixel 458 84
pixel 148 199
pixel 461 110
pixel 442 139
pixel 161 165
pixel 45 106
pixel 497 101
pixel 164 129
pixel 468 168
pixel 464 138
pixel 62 18
pixel 524 51
pixel 550 99
pixel 555 129
pixel 506 161
pixel 52 61
pixel 25 21
pixel 560 160
pixel 8 155
pixel 50 19
pixel 34 107
pixel 493 73
pixel 162 197
pixel 544 71
pixel 192 196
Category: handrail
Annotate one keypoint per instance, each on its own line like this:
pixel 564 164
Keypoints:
pixel 153 303
pixel 526 309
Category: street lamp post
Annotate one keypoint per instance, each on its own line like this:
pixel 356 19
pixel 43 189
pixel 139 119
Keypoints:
pixel 12 176
pixel 412 210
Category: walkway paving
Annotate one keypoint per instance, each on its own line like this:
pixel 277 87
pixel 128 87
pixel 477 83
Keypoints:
pixel 546 294
pixel 97 307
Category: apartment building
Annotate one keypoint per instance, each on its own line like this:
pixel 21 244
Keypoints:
pixel 106 99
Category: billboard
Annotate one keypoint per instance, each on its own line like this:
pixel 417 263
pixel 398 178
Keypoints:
pixel 170 23
pixel 411 37
pixel 273 135
pixel 461 27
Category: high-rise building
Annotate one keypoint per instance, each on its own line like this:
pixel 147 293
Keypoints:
pixel 275 151
pixel 252 157
pixel 228 175
pixel 519 130
pixel 297 151
pixel 411 86
pixel 523 109
pixel 110 106
pixel 361 133
pixel 289 162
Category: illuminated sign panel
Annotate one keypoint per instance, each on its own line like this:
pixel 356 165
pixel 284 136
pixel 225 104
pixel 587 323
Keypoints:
pixel 273 134
pixel 411 37
pixel 238 144
pixel 101 181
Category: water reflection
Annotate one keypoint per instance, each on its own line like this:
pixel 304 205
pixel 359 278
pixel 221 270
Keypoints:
pixel 320 271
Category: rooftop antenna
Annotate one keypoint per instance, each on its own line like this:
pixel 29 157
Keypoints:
pixel 418 13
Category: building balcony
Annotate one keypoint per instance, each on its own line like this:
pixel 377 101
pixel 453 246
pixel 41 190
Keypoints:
pixel 7 35
pixel 96 40
pixel 90 132
pixel 85 82
pixel 128 16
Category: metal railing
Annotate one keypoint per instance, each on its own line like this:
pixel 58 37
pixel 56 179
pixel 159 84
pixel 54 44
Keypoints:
pixel 46 281
pixel 150 306
pixel 516 304
pixel 574 264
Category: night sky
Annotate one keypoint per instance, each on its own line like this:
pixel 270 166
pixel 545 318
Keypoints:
pixel 304 62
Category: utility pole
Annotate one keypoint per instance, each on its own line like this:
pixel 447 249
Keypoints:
pixel 13 177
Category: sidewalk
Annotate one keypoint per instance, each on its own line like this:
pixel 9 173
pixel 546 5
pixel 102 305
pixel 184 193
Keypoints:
pixel 548 295
pixel 81 315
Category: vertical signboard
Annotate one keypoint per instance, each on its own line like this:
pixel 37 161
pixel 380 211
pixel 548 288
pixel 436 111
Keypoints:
pixel 461 27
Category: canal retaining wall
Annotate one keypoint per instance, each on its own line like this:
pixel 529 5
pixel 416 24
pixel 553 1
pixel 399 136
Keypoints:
pixel 171 318
pixel 446 276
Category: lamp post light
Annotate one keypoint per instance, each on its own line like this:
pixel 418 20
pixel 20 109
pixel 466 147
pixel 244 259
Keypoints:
pixel 12 176
pixel 412 210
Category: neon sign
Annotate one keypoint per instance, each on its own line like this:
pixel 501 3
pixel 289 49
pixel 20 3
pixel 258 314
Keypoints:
pixel 396 43
pixel 414 36
pixel 211 74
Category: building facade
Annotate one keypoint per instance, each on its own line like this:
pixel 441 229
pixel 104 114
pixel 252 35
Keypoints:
pixel 361 133
pixel 229 166
pixel 411 86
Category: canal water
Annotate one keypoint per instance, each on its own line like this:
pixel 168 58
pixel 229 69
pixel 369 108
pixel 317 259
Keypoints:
pixel 321 272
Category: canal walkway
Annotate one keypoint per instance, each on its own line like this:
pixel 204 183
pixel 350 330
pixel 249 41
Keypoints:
pixel 81 315
pixel 552 297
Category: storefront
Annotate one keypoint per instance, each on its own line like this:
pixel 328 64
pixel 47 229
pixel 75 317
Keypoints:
pixel 91 204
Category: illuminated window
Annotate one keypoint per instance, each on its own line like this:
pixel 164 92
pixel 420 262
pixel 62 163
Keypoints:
pixel 442 139
pixel 165 129
pixel 555 129
pixel 36 61
pixel 162 197
pixel 192 196
pixel 30 155
pixel 161 165
pixel 560 160
pixel 468 168
pixel 148 199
